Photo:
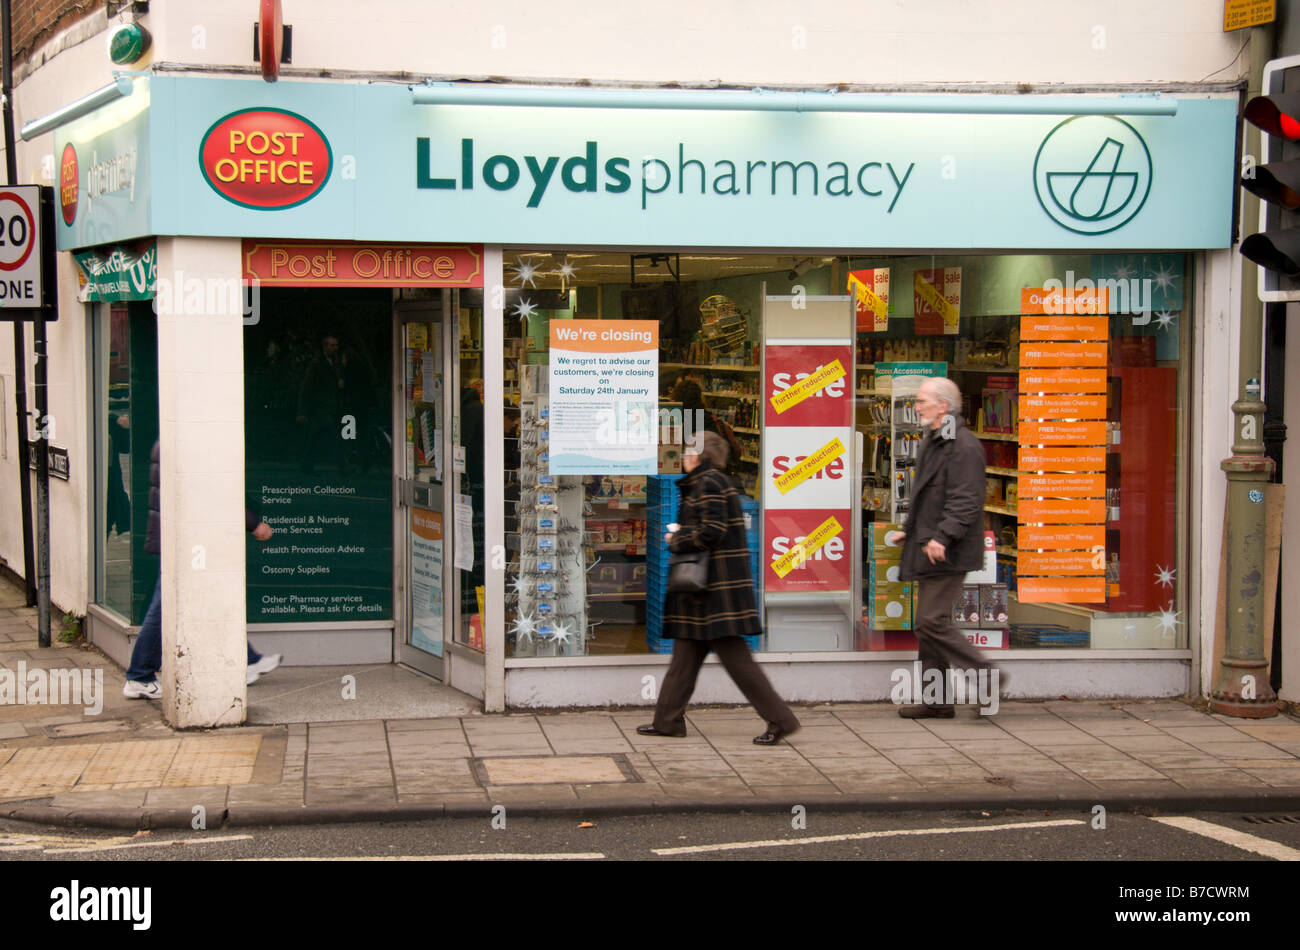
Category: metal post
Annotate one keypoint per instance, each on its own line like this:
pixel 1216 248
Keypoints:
pixel 20 341
pixel 42 482
pixel 1242 687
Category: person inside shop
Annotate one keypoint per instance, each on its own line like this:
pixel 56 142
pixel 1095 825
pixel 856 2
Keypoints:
pixel 118 503
pixel 943 539
pixel 146 654
pixel 321 406
pixel 689 394
pixel 709 519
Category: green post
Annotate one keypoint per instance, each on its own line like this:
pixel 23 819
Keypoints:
pixel 1242 685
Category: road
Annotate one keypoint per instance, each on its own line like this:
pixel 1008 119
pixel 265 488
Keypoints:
pixel 1018 837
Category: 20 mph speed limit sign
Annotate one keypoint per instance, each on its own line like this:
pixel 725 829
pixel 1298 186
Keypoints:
pixel 20 246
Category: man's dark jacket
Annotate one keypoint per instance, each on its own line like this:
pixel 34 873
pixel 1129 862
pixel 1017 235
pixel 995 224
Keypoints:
pixel 947 503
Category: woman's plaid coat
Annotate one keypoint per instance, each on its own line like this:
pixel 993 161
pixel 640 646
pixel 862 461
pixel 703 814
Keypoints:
pixel 710 518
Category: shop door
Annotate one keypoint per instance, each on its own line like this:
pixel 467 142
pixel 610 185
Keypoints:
pixel 424 484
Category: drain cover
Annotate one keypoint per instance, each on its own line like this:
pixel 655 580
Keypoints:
pixel 1272 819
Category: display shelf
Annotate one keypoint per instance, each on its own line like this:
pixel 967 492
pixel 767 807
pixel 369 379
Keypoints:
pixel 621 501
pixel 997 436
pixel 631 595
pixel 711 366
pixel 999 510
pixel 731 395
pixel 967 368
pixel 1064 608
pixel 632 549
pixel 746 431
pixel 1006 551
pixel 1008 472
pixel 750 458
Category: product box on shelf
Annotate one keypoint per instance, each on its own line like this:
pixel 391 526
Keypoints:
pixel 993 606
pixel 878 548
pixel 891 607
pixel 884 571
pixel 999 404
pixel 966 609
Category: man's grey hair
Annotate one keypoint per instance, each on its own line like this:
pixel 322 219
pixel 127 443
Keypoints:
pixel 945 390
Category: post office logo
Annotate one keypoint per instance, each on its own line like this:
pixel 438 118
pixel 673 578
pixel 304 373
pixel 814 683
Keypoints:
pixel 69 184
pixel 265 159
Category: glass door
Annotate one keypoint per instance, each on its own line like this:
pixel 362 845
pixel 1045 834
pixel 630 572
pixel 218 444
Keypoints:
pixel 424 496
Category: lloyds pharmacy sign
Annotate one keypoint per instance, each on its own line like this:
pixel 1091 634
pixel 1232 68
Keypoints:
pixel 363 162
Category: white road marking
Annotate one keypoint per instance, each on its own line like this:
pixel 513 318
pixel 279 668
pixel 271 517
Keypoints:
pixel 860 836
pixel 65 844
pixel 216 839
pixel 1238 839
pixel 575 856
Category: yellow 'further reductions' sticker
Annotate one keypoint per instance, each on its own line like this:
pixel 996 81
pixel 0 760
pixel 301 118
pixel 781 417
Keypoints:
pixel 810 466
pixel 806 548
pixel 937 301
pixel 807 386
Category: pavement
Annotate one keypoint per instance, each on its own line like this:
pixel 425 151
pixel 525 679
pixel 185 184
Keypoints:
pixel 124 767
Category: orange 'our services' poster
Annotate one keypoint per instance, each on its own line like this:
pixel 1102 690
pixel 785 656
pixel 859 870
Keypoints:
pixel 1047 590
pixel 1082 459
pixel 1062 433
pixel 1062 380
pixel 1064 406
pixel 1063 485
pixel 1075 537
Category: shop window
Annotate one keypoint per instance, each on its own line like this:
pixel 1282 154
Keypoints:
pixel 126 426
pixel 1088 557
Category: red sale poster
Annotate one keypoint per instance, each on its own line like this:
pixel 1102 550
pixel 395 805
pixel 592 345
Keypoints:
pixel 799 557
pixel 936 300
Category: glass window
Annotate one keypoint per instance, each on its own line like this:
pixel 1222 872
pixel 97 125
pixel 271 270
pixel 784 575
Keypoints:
pixel 467 323
pixel 1076 399
pixel 126 409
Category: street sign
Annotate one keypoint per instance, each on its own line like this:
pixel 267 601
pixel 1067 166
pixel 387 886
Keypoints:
pixel 1239 14
pixel 20 255
pixel 26 252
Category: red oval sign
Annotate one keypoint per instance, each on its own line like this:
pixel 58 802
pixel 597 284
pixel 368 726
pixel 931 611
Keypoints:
pixel 265 158
pixel 69 184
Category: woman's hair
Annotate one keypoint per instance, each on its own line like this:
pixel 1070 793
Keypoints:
pixel 710 447
pixel 688 393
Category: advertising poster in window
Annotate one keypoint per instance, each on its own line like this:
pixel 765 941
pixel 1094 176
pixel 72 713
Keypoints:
pixel 426 580
pixel 604 398
pixel 808 416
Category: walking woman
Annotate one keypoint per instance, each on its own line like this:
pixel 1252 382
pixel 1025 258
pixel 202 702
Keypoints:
pixel 710 519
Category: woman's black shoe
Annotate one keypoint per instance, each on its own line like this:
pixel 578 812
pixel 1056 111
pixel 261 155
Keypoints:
pixel 650 730
pixel 773 735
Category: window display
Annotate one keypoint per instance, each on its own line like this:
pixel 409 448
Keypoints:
pixel 1070 368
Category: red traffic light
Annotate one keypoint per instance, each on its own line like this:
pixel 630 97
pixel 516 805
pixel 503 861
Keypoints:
pixel 1276 115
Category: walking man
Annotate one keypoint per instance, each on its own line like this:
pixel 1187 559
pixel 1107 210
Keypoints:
pixel 943 539
pixel 146 655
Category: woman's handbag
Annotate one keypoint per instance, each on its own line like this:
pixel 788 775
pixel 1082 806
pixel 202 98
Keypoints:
pixel 688 572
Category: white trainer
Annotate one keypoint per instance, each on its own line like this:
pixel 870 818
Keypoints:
pixel 137 689
pixel 265 665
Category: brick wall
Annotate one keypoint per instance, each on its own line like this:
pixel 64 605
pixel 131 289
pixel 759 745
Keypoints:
pixel 36 21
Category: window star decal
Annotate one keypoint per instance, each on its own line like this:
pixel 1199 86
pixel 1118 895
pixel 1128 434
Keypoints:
pixel 1165 576
pixel 525 309
pixel 1168 621
pixel 525 272
pixel 1165 318
pixel 1164 278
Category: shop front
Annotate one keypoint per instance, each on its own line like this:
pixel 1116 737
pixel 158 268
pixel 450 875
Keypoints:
pixel 475 338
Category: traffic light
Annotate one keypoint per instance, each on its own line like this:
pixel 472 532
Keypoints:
pixel 1276 247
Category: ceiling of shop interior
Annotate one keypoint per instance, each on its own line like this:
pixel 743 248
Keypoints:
pixel 592 267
